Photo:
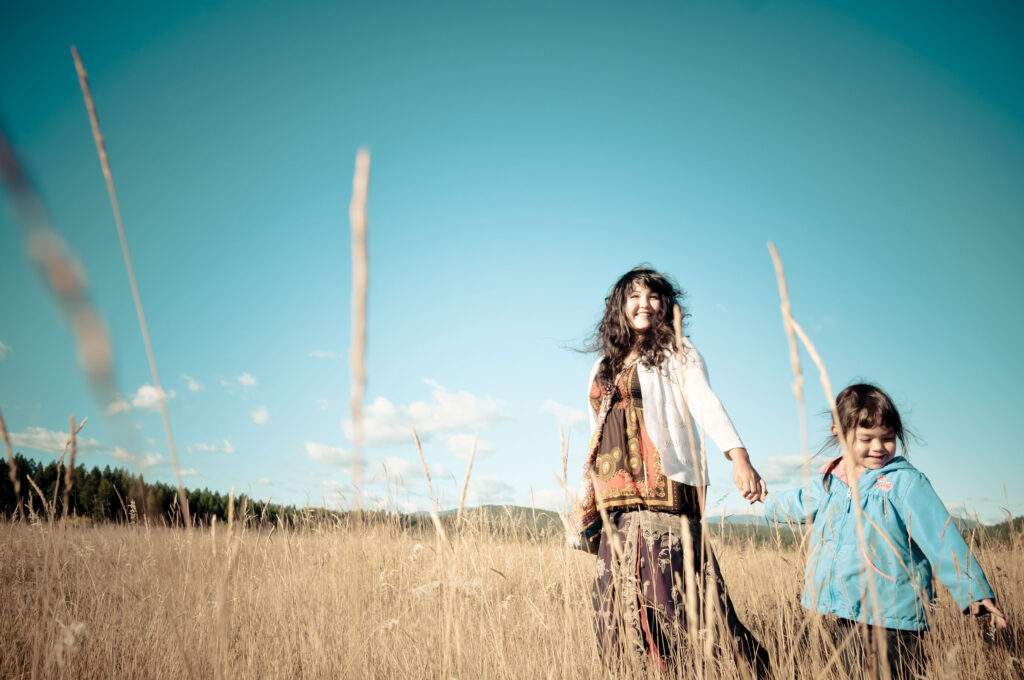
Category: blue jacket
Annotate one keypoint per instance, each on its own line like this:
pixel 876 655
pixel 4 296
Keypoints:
pixel 908 534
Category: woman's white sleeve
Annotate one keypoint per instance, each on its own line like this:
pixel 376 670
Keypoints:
pixel 704 404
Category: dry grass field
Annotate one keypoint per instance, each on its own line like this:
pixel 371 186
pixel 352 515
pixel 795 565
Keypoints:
pixel 353 599
pixel 336 600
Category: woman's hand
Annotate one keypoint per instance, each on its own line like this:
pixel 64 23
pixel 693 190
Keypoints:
pixel 998 618
pixel 747 480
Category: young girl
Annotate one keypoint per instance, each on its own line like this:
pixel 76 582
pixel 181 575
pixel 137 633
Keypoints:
pixel 907 531
pixel 645 472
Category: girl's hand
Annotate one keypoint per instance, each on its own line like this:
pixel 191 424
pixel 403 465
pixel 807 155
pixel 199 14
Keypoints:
pixel 745 476
pixel 998 618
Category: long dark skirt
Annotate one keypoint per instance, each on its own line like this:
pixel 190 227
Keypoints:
pixel 641 595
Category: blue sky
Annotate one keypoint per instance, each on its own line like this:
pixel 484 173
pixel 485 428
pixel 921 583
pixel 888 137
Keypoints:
pixel 525 155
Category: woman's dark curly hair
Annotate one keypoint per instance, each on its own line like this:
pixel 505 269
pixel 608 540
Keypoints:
pixel 614 338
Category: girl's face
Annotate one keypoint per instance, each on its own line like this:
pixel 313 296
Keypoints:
pixel 871 447
pixel 643 309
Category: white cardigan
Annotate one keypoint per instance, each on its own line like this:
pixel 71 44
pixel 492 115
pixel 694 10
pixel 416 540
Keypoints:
pixel 663 391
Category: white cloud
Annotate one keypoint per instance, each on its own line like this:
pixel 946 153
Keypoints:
pixel 321 354
pixel 223 446
pixel 488 489
pixel 984 515
pixel 190 472
pixel 396 466
pixel 323 404
pixel 782 469
pixel 341 494
pixel 246 380
pixel 456 411
pixel 328 455
pixel 409 506
pixel 151 459
pixel 567 416
pixel 438 471
pixel 384 423
pixel 461 445
pixel 334 487
pixel 51 441
pixel 147 397
pixel 263 480
pixel 261 416
pixel 119 406
pixel 193 384
pixel 121 454
pixel 144 460
pixel 552 499
pixel 5 349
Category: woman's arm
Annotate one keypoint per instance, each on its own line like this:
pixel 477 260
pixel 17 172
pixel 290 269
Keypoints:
pixel 745 476
pixel 708 412
pixel 704 405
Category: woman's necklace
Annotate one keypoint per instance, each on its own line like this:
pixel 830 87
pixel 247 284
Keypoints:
pixel 630 359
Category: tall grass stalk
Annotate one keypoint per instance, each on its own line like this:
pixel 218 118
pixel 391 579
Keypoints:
pixel 465 480
pixel 442 535
pixel 61 273
pixel 69 472
pixel 875 664
pixel 12 467
pixel 712 615
pixel 794 360
pixel 83 81
pixel 360 282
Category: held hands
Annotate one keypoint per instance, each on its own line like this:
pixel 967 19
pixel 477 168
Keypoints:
pixel 987 606
pixel 747 480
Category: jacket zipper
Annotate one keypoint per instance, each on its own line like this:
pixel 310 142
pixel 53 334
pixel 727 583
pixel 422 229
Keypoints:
pixel 833 595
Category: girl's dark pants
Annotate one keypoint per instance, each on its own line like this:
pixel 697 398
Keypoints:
pixel 904 649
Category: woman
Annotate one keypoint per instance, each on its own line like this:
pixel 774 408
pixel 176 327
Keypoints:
pixel 645 476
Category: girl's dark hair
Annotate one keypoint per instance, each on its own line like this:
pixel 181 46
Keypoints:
pixel 865 405
pixel 615 338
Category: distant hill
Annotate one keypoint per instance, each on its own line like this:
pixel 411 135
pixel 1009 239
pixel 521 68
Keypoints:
pixel 736 528
pixel 760 520
pixel 501 520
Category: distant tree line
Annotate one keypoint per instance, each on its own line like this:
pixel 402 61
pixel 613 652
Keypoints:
pixel 117 495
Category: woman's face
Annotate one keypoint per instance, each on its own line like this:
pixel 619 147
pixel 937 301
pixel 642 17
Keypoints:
pixel 643 309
